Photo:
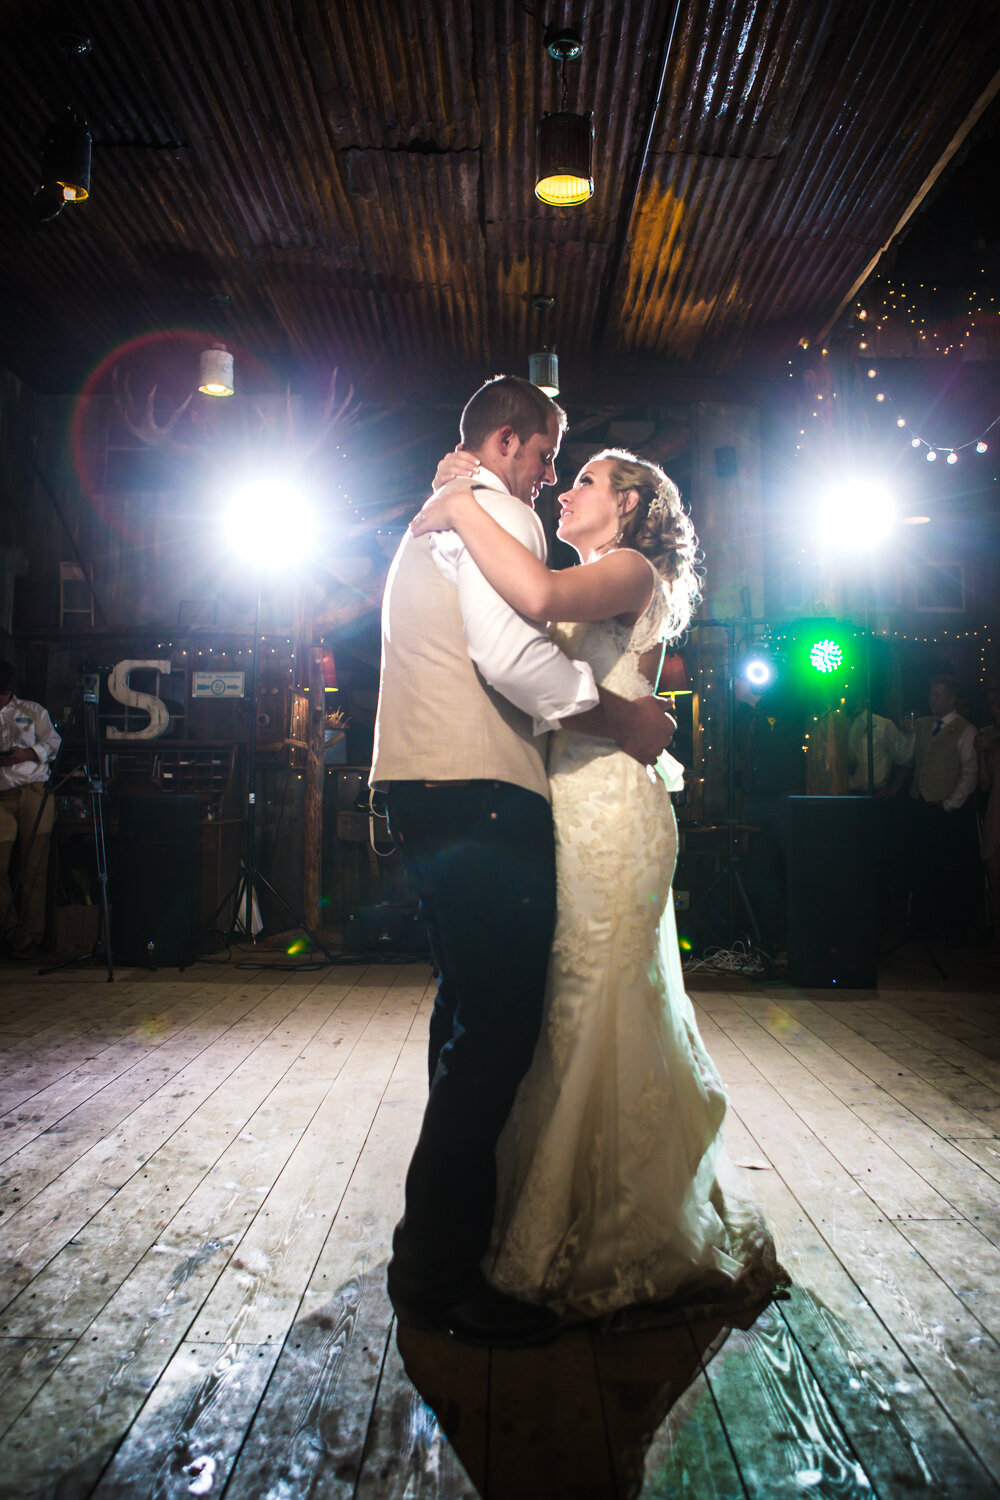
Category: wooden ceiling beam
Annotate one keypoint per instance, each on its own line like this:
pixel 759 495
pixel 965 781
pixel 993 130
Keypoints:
pixel 956 143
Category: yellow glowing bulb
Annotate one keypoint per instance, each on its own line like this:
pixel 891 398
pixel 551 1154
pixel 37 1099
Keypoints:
pixel 563 191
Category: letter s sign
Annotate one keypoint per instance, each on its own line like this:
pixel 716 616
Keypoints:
pixel 118 687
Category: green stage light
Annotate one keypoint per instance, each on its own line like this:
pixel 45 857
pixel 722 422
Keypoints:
pixel 826 655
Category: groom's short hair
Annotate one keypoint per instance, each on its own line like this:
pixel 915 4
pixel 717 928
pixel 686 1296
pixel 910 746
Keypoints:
pixel 508 401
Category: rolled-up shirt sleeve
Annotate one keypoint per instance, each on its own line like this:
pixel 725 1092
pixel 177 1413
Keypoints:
pixel 47 738
pixel 514 655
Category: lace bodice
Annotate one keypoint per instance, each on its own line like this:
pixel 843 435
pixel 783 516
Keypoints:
pixel 614 650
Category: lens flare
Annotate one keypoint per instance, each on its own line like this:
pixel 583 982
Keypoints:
pixel 270 523
pixel 857 514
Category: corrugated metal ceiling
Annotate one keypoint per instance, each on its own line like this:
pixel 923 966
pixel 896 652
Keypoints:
pixel 358 180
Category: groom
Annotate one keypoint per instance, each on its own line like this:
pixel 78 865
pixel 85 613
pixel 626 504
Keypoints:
pixel 467 687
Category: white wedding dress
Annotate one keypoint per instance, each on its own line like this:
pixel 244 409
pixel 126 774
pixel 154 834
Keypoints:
pixel 613 1185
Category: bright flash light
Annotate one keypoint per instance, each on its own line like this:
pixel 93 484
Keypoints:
pixel 857 514
pixel 758 671
pixel 270 523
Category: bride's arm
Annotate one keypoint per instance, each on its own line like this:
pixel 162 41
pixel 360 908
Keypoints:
pixel 617 584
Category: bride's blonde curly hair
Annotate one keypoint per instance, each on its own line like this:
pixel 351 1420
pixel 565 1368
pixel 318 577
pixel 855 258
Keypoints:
pixel 659 528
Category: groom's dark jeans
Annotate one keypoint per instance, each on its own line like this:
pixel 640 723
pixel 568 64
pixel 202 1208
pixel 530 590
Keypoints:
pixel 481 855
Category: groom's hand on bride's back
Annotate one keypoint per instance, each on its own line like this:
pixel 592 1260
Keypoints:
pixel 643 728
pixel 649 730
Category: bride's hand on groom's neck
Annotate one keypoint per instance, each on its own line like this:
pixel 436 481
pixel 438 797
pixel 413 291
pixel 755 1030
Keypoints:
pixel 455 465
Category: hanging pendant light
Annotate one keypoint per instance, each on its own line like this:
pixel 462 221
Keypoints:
pixel 564 176
pixel 66 148
pixel 215 372
pixel 565 151
pixel 543 367
pixel 543 371
pixel 66 156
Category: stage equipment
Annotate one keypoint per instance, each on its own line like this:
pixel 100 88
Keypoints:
pixel 832 897
pixel 156 876
pixel 564 177
pixel 857 514
pixel 758 670
pixel 386 928
pixel 269 523
pixel 826 655
pixel 215 371
pixel 730 875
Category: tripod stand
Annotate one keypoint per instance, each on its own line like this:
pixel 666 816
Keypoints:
pixel 250 880
pixel 729 875
pixel 84 709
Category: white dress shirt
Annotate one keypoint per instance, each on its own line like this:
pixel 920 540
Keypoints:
pixel 26 726
pixel 906 746
pixel 884 739
pixel 514 655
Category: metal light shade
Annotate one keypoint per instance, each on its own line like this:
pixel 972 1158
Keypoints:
pixel 215 373
pixel 565 151
pixel 543 371
pixel 673 676
pixel 66 157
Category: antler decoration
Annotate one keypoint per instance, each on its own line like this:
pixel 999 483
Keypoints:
pixel 142 423
pixel 146 428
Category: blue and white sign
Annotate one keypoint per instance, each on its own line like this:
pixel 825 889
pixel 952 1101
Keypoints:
pixel 217 684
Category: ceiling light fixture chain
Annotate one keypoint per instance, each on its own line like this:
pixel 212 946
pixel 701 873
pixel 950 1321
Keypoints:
pixel 66 150
pixel 564 178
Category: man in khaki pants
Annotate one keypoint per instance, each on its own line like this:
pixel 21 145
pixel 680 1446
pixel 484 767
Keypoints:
pixel 28 742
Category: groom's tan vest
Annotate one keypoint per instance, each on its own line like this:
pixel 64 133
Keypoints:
pixel 938 765
pixel 437 719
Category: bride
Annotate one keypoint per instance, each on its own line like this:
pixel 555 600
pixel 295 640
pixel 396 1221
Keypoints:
pixel 613 1185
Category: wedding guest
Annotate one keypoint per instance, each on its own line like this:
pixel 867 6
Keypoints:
pixel 941 749
pixel 988 749
pixel 884 737
pixel 29 742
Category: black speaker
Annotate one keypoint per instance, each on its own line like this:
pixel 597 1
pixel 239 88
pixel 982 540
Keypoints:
pixel 388 928
pixel 832 902
pixel 154 881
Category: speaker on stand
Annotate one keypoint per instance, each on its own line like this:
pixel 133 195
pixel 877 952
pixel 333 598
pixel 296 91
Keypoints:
pixel 832 899
pixel 155 880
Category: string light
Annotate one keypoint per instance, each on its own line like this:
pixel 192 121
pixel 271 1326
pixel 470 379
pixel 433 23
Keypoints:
pixel 916 441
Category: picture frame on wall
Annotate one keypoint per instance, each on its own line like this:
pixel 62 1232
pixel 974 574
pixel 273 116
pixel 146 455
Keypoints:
pixel 940 588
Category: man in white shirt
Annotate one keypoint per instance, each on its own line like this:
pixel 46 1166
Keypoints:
pixel 28 743
pixel 941 749
pixel 467 688
pixel 884 737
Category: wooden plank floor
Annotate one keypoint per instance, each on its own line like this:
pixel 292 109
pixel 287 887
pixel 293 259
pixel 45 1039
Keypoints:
pixel 199 1174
